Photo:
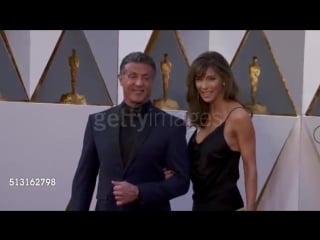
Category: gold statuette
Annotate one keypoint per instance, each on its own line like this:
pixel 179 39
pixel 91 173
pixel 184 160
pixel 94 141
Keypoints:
pixel 73 97
pixel 254 73
pixel 1 97
pixel 166 102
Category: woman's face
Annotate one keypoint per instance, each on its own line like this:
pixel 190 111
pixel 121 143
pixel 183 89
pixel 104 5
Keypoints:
pixel 209 86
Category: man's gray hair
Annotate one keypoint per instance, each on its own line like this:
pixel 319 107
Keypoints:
pixel 137 57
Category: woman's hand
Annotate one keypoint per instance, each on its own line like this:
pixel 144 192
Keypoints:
pixel 168 173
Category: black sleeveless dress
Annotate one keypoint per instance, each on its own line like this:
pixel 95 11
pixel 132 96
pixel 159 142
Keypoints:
pixel 214 173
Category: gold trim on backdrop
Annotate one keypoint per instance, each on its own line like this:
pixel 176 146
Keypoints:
pixel 46 69
pixel 182 48
pixel 152 40
pixel 244 39
pixel 313 102
pixel 264 187
pixel 99 72
pixel 7 45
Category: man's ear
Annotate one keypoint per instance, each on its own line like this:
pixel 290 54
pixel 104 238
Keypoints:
pixel 120 79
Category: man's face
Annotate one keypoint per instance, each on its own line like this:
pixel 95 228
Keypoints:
pixel 137 81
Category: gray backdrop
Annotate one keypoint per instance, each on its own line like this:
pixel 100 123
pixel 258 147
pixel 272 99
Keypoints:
pixel 11 86
pixel 90 81
pixel 271 88
pixel 167 42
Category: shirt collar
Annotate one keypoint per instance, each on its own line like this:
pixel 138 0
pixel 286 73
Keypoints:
pixel 143 109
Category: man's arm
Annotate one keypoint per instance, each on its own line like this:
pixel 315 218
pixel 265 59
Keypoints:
pixel 178 161
pixel 86 173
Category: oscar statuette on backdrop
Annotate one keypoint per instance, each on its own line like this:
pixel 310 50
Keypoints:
pixel 254 73
pixel 165 102
pixel 73 97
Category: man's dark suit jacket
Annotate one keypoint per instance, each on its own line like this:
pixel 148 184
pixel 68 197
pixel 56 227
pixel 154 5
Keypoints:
pixel 162 144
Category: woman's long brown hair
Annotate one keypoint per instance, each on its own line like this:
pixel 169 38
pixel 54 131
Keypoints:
pixel 198 110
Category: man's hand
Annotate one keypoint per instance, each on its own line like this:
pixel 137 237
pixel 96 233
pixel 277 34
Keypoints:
pixel 124 192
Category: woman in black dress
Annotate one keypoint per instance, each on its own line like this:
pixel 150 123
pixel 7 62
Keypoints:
pixel 224 135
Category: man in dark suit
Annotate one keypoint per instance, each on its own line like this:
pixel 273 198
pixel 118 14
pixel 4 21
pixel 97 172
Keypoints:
pixel 128 146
